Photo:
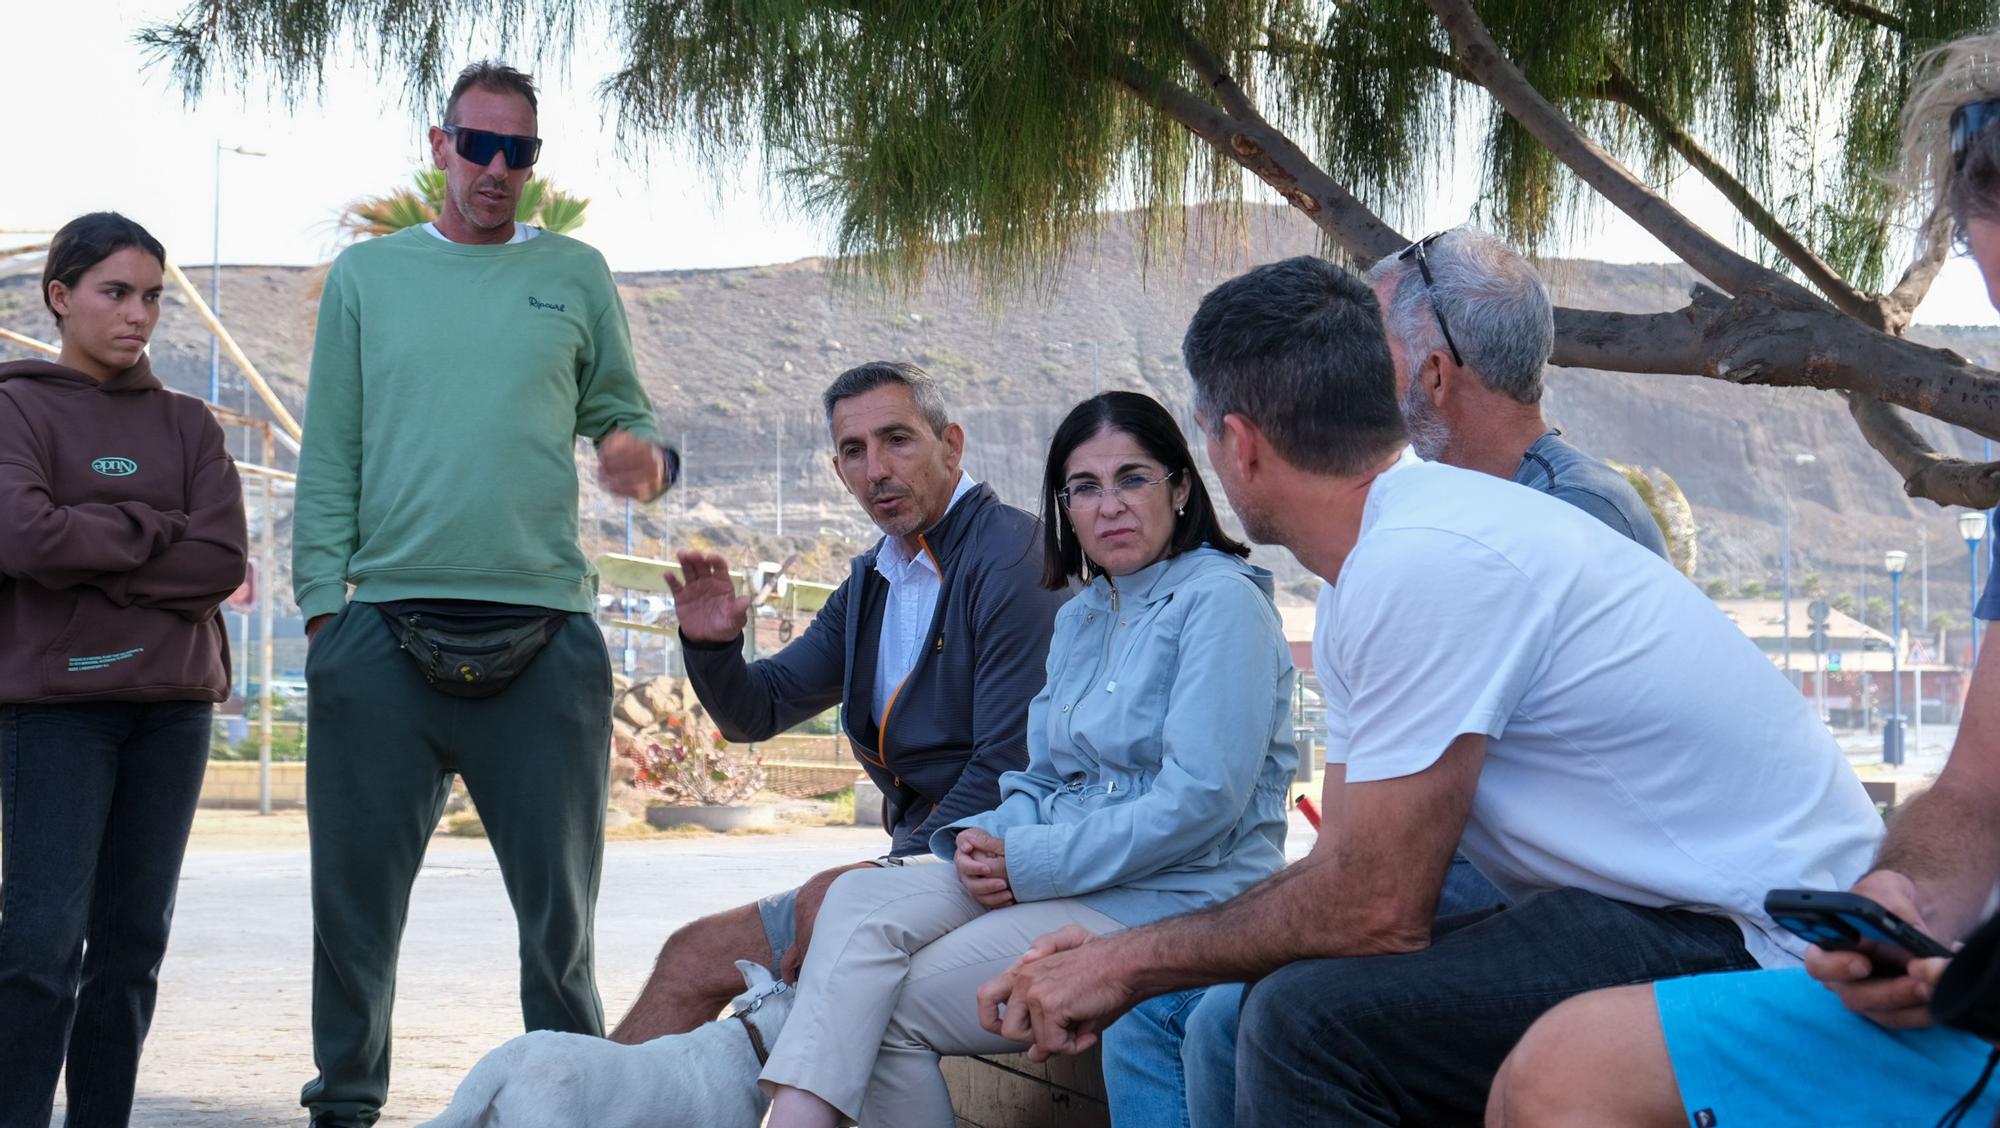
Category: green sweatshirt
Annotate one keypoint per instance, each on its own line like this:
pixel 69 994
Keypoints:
pixel 448 384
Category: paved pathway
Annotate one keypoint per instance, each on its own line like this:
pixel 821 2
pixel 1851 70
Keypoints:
pixel 230 1045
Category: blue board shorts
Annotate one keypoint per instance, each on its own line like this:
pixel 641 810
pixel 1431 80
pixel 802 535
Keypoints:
pixel 1774 1049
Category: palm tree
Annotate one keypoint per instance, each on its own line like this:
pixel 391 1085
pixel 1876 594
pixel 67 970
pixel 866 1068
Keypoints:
pixel 541 203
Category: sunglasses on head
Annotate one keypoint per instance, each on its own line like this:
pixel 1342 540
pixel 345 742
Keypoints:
pixel 1417 251
pixel 1967 123
pixel 479 145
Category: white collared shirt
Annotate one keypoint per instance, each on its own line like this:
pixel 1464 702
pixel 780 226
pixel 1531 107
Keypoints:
pixel 914 583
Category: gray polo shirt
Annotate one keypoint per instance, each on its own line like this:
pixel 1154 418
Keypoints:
pixel 1560 470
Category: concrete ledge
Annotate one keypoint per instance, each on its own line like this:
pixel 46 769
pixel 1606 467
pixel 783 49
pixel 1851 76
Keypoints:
pixel 1894 791
pixel 232 784
pixel 1009 1091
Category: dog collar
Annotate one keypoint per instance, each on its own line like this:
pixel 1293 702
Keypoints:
pixel 756 1040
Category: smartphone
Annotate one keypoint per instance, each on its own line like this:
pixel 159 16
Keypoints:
pixel 1844 921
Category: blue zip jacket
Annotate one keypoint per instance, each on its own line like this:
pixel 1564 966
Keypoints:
pixel 1160 752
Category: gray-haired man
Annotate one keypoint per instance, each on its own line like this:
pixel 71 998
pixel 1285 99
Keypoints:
pixel 935 644
pixel 1470 328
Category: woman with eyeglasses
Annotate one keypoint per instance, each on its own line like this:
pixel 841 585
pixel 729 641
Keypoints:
pixel 121 532
pixel 1856 1036
pixel 1159 758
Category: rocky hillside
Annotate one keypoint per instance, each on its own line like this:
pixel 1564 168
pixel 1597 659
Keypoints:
pixel 735 360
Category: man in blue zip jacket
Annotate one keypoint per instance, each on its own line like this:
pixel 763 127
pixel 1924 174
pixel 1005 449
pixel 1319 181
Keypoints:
pixel 934 645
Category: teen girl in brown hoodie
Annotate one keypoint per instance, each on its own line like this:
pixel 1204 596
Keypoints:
pixel 121 531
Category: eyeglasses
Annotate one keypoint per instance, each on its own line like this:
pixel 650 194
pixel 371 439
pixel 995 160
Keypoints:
pixel 1967 123
pixel 1129 489
pixel 479 145
pixel 1417 251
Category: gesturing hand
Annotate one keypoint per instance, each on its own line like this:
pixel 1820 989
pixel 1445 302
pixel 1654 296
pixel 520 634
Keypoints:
pixel 1056 997
pixel 629 466
pixel 981 859
pixel 705 599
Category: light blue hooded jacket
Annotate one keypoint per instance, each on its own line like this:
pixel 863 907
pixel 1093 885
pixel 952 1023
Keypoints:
pixel 1160 752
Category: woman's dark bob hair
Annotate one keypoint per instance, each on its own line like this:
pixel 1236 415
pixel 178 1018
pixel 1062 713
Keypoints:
pixel 86 241
pixel 1149 425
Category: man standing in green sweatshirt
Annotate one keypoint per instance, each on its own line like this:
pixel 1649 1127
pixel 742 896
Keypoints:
pixel 453 367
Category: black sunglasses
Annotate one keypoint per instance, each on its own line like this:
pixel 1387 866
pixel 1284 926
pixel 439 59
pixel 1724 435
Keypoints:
pixel 479 145
pixel 1967 123
pixel 1417 251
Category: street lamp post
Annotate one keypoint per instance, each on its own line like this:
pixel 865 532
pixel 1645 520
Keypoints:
pixel 1892 734
pixel 215 273
pixel 1785 552
pixel 1972 526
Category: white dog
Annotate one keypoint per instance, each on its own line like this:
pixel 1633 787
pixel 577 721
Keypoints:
pixel 705 1078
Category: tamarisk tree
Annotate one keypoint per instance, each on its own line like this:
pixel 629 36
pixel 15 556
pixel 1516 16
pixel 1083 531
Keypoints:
pixel 989 134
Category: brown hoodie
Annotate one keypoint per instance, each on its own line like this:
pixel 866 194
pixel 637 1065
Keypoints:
pixel 121 531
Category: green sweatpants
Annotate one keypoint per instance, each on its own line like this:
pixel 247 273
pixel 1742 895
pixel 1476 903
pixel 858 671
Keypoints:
pixel 384 747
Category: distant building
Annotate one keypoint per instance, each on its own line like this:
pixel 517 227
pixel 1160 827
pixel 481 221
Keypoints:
pixel 1858 662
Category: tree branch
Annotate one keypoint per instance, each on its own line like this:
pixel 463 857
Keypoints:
pixel 1474 45
pixel 1754 339
pixel 1926 473
pixel 1619 87
pixel 1268 154
pixel 1898 306
pixel 1865 13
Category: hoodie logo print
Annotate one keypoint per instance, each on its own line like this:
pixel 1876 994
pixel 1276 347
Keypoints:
pixel 115 467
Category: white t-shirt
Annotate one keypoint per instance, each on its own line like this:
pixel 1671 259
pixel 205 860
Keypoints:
pixel 1639 746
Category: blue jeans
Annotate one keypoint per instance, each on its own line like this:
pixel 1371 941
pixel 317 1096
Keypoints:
pixel 1417 1038
pixel 1466 890
pixel 1171 1061
pixel 98 800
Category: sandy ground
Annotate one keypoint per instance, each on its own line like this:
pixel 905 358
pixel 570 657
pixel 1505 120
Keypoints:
pixel 230 1043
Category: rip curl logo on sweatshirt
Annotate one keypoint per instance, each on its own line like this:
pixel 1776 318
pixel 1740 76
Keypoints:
pixel 537 303
pixel 114 467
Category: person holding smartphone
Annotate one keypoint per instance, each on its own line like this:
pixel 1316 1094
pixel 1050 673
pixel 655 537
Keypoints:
pixel 121 532
pixel 1849 1038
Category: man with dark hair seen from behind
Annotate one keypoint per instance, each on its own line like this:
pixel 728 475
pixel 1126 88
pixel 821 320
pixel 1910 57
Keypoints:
pixel 1500 669
pixel 934 645
pixel 453 366
pixel 1470 328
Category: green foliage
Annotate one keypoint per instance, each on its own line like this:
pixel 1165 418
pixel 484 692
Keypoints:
pixel 541 204
pixel 1752 589
pixel 1670 510
pixel 1876 612
pixel 1716 589
pixel 1812 585
pixel 1843 603
pixel 990 133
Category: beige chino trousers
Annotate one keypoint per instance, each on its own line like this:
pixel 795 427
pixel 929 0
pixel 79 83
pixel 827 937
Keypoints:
pixel 891 982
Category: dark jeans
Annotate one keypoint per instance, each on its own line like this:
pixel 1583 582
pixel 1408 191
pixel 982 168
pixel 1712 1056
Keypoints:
pixel 1417 1038
pixel 98 799
pixel 385 746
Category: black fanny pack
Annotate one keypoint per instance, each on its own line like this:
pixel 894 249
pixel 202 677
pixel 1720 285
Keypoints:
pixel 474 659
